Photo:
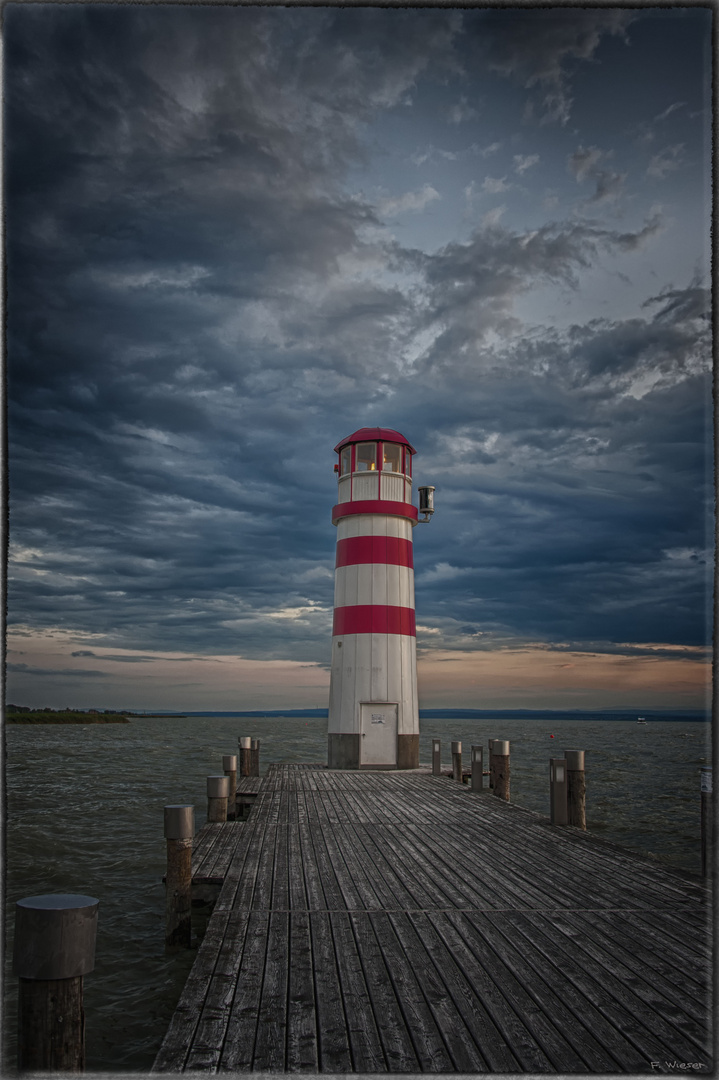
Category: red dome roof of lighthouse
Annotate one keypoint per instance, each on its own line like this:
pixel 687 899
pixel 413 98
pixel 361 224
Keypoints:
pixel 373 434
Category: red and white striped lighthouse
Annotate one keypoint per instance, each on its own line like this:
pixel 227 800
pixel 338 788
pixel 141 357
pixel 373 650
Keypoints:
pixel 373 711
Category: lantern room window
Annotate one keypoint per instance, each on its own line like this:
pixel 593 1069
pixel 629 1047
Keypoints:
pixel 392 457
pixel 366 458
pixel 407 462
pixel 346 461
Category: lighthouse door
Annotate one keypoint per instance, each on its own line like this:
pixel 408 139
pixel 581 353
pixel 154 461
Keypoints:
pixel 378 734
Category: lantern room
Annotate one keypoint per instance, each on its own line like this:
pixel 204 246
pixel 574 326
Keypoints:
pixel 374 463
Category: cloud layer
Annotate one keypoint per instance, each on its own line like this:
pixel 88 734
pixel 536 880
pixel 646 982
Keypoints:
pixel 216 268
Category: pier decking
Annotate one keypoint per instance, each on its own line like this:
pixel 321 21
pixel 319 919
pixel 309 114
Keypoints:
pixel 396 922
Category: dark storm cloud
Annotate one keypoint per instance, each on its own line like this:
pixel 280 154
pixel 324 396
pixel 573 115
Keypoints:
pixel 198 311
pixel 81 673
pixel 543 48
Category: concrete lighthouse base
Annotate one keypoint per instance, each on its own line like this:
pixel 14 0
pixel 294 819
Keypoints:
pixel 343 752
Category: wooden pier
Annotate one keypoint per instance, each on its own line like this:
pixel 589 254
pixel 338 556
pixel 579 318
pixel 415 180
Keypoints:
pixel 395 922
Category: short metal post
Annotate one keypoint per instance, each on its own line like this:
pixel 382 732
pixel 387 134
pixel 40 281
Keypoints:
pixel 54 948
pixel 457 761
pixel 244 747
pixel 576 789
pixel 707 822
pixel 218 790
pixel 500 757
pixel 229 765
pixel 436 757
pixel 255 757
pixel 558 791
pixel 179 831
pixel 477 768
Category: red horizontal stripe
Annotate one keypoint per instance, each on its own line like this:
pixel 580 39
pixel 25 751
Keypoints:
pixel 373 619
pixel 374 549
pixel 374 506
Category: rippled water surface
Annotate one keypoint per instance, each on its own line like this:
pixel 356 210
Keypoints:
pixel 84 813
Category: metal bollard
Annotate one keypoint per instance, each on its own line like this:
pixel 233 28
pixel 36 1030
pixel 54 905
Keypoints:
pixel 477 768
pixel 500 759
pixel 436 757
pixel 179 831
pixel 576 789
pixel 707 822
pixel 255 757
pixel 54 949
pixel 457 761
pixel 229 766
pixel 218 790
pixel 244 745
pixel 558 791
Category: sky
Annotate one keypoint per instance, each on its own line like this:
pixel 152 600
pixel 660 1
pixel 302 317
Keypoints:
pixel 234 235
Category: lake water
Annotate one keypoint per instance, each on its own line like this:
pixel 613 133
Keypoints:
pixel 84 813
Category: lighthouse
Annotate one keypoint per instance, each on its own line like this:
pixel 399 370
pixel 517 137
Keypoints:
pixel 373 710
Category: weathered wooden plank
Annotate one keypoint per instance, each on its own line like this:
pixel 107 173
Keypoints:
pixel 430 1051
pixel 238 1050
pixel 262 892
pixel 177 1044
pixel 280 900
pixel 458 1041
pixel 365 1043
pixel 271 1038
pixel 580 1023
pixel 312 877
pixel 385 879
pixel 628 1013
pixel 334 855
pixel 543 1031
pixel 682 941
pixel 672 980
pixel 661 1008
pixel 495 998
pixel 302 1048
pixel 394 1036
pixel 488 1039
pixel 334 1052
pixel 297 897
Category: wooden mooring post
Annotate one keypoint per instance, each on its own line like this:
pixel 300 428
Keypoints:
pixel 436 757
pixel 457 761
pixel 179 831
pixel 245 747
pixel 255 757
pixel 54 949
pixel 500 759
pixel 218 792
pixel 707 822
pixel 490 744
pixel 477 768
pixel 576 789
pixel 558 791
pixel 229 766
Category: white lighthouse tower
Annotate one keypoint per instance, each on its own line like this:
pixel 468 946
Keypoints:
pixel 373 711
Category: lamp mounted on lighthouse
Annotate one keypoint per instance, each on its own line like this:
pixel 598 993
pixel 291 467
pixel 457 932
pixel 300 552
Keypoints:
pixel 374 711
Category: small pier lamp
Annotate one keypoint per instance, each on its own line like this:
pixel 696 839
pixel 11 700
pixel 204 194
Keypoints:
pixel 426 503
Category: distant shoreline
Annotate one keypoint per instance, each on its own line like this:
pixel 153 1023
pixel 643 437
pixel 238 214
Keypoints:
pixel 626 715
pixel 44 716
pixel 76 716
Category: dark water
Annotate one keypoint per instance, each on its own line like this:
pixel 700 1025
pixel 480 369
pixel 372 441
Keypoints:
pixel 84 813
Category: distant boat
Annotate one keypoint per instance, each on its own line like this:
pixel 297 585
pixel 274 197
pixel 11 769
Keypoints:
pixel 641 720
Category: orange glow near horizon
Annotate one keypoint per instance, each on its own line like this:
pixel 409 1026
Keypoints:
pixel 43 671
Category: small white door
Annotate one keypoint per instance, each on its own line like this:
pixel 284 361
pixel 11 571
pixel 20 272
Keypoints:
pixel 378 734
